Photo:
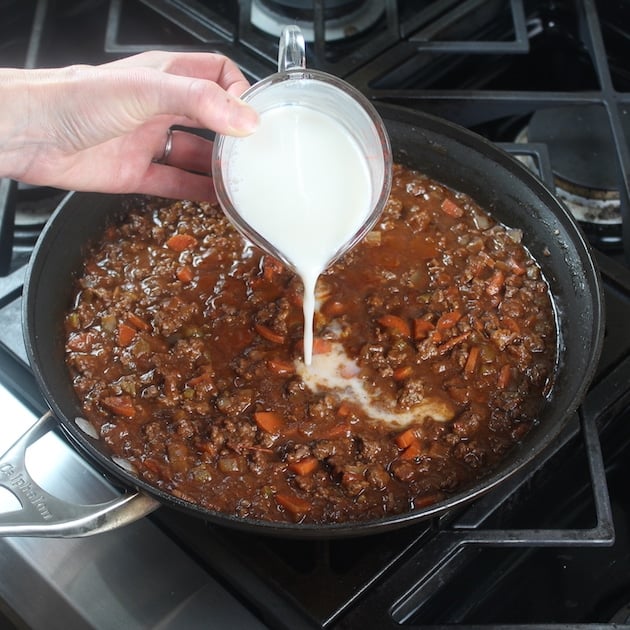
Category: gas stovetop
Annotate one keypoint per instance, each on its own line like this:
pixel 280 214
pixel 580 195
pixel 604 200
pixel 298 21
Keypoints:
pixel 551 546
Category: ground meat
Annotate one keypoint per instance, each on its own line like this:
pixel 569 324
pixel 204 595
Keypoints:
pixel 377 476
pixel 184 344
pixel 324 449
pixel 412 393
pixel 172 314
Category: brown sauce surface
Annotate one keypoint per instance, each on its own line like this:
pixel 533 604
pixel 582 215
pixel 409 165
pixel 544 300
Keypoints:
pixel 184 345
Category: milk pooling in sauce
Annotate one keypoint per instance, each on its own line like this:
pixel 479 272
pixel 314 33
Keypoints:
pixel 302 182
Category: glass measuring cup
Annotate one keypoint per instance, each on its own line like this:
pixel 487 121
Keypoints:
pixel 295 86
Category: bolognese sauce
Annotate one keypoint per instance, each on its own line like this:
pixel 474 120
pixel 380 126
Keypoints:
pixel 435 347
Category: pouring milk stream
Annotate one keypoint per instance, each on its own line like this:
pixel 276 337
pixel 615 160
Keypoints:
pixel 314 177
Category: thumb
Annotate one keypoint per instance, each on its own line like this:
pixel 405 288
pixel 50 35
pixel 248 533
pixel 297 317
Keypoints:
pixel 206 103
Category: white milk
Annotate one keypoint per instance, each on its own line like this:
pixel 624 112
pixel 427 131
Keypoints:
pixel 302 182
pixel 336 371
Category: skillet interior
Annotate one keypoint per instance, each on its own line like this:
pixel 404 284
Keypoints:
pixel 445 152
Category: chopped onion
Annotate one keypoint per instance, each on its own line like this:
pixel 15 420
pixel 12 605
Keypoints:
pixel 482 222
pixel 373 237
pixel 87 427
pixel 515 234
pixel 109 323
pixel 125 464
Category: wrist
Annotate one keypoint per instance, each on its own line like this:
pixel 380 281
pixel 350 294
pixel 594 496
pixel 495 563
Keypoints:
pixel 16 121
pixel 26 127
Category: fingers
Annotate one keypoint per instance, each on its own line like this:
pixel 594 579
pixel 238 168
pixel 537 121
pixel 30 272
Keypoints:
pixel 202 87
pixel 209 66
pixel 204 102
pixel 190 152
pixel 217 68
pixel 167 181
pixel 184 174
pixel 198 89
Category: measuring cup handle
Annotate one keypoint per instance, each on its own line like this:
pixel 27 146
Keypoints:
pixel 291 49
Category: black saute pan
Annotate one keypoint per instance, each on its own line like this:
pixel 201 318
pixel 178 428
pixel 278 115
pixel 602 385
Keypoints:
pixel 446 152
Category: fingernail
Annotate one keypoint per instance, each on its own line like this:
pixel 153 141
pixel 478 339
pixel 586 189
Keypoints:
pixel 243 119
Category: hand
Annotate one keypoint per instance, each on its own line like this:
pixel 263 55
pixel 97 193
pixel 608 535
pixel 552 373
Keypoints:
pixel 101 128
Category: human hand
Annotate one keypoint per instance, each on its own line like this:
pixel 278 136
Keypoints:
pixel 102 128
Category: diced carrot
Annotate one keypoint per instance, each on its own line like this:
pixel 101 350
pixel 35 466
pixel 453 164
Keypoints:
pixel 452 290
pixel 427 499
pixel 344 410
pixel 495 283
pixel 205 378
pixel 422 328
pixel 296 299
pixel 305 466
pixel 406 438
pixel 477 325
pixel 125 334
pixel 269 421
pixel 184 274
pixel 280 367
pixel 180 242
pixel 293 504
pixel 396 324
pixel 338 430
pixel 451 208
pixel 269 334
pixel 452 342
pixel 505 375
pixel 152 465
pixel 81 341
pixel 402 372
pixel 137 322
pixel 333 308
pixel 488 261
pixel 321 346
pixel 412 451
pixel 471 361
pixel 259 449
pixel 271 267
pixel 516 267
pixel 448 320
pixel 511 324
pixel 120 405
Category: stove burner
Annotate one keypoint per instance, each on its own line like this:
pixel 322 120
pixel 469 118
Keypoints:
pixel 580 147
pixel 583 159
pixel 342 18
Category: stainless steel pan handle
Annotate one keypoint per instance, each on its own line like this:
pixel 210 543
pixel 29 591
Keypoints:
pixel 47 516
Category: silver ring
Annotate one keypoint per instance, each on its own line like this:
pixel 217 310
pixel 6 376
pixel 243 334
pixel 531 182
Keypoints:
pixel 167 147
